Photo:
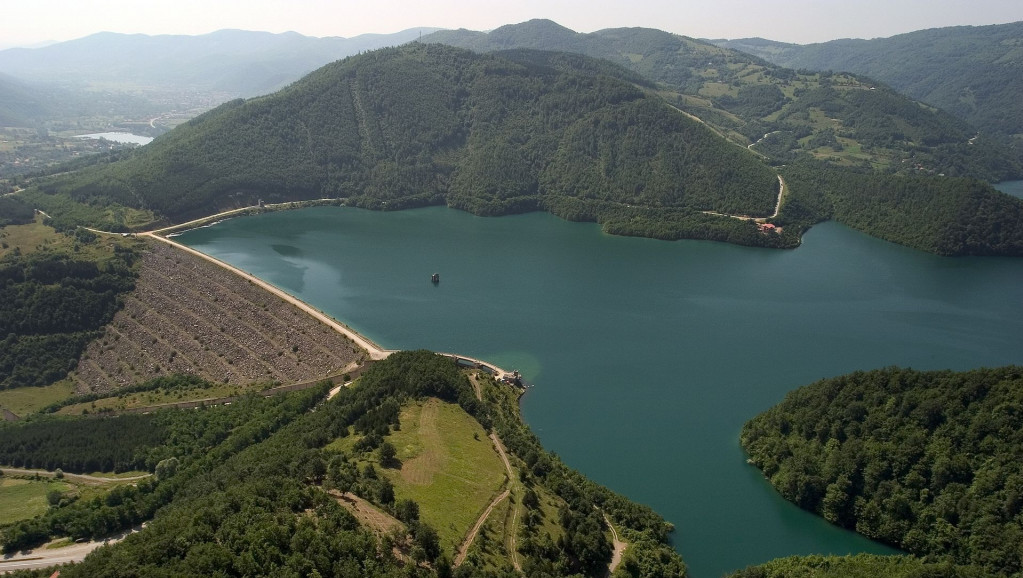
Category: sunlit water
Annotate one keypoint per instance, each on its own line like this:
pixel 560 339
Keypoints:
pixel 648 356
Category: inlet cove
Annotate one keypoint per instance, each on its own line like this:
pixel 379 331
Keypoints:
pixel 647 356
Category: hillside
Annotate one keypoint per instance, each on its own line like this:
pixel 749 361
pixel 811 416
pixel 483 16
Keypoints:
pixel 927 461
pixel 296 485
pixel 233 62
pixel 974 72
pixel 843 118
pixel 427 124
pixel 18 105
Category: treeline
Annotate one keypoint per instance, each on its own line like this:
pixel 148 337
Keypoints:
pixel 195 443
pixel 673 224
pixel 428 124
pixel 857 566
pixel 14 211
pixel 946 216
pixel 73 445
pixel 115 443
pixel 51 306
pixel 931 462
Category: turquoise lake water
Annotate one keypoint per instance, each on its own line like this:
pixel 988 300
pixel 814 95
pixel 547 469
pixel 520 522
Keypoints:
pixel 647 356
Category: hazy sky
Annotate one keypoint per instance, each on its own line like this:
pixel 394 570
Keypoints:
pixel 26 22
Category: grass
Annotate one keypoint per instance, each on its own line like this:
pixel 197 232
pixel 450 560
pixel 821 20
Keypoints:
pixel 448 466
pixel 157 397
pixel 21 499
pixel 118 476
pixel 29 238
pixel 26 400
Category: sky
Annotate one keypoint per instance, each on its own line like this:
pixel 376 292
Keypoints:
pixel 31 22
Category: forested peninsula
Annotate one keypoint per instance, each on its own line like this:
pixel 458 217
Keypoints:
pixel 258 487
pixel 930 462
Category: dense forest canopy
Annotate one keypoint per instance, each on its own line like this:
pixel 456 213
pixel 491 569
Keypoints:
pixel 945 216
pixel 931 462
pixel 51 305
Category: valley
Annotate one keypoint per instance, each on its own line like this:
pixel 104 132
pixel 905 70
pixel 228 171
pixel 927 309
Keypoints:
pixel 218 349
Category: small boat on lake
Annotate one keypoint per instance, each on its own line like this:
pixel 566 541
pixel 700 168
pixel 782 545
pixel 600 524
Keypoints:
pixel 435 278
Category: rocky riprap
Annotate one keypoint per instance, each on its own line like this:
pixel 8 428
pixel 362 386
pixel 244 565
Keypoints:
pixel 187 315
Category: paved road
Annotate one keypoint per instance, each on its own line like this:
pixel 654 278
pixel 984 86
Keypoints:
pixel 41 557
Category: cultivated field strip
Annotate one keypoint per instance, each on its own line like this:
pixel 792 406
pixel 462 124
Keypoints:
pixel 187 315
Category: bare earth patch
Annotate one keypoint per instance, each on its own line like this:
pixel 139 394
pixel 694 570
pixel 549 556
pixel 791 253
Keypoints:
pixel 190 316
pixel 368 515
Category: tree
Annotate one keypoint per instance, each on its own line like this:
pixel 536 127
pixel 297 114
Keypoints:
pixel 388 455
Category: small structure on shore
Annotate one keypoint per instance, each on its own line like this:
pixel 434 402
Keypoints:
pixel 435 278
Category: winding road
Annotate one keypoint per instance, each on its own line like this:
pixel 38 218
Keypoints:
pixel 777 207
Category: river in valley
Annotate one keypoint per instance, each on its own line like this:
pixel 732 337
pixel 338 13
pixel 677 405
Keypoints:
pixel 647 356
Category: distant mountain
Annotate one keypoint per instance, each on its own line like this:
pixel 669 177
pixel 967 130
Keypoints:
pixel 975 72
pixel 19 104
pixel 843 118
pixel 236 62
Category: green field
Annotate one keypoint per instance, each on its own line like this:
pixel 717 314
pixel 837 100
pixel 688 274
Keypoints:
pixel 25 400
pixel 448 466
pixel 159 397
pixel 21 499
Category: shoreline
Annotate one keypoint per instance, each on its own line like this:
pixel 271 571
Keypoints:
pixel 372 349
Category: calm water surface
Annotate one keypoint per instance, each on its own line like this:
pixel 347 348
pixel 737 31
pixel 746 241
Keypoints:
pixel 648 356
pixel 121 137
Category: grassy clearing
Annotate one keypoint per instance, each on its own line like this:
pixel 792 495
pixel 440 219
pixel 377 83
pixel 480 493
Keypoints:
pixel 29 238
pixel 119 476
pixel 448 466
pixel 158 397
pixel 21 499
pixel 26 400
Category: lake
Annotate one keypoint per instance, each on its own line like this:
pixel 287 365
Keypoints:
pixel 647 356
pixel 120 137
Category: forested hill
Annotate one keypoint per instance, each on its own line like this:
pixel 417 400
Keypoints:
pixel 845 119
pixel 931 462
pixel 18 104
pixel 427 124
pixel 975 72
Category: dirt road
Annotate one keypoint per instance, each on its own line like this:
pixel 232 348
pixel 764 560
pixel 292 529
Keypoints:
pixel 81 477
